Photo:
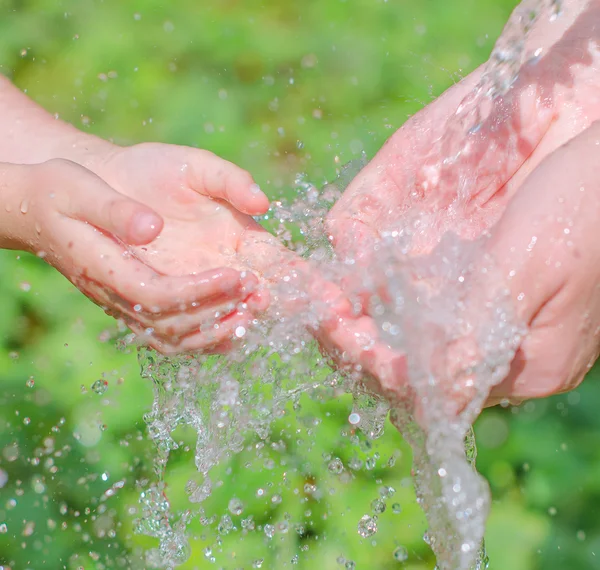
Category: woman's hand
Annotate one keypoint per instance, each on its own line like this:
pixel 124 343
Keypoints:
pixel 461 164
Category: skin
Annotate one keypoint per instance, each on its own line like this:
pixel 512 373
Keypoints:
pixel 532 178
pixel 118 223
pixel 113 220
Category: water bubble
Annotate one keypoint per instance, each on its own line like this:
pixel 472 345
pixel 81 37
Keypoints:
pixel 258 563
pixel 3 528
pixel 100 386
pixel 367 526
pixel 30 382
pixel 396 508
pixel 269 531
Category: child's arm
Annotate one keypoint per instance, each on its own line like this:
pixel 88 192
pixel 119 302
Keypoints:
pixel 144 231
pixel 30 135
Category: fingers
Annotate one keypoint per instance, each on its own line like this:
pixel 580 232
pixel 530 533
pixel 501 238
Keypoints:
pixel 215 338
pixel 212 176
pixel 128 286
pixel 546 248
pixel 81 195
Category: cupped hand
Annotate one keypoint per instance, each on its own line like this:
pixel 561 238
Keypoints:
pixel 74 220
pixel 206 205
pixel 547 247
pixel 463 160
pixel 460 160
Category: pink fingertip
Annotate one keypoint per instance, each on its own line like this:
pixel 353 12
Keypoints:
pixel 146 225
pixel 259 301
pixel 256 202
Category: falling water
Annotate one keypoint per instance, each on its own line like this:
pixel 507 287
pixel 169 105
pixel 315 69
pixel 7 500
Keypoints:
pixel 431 309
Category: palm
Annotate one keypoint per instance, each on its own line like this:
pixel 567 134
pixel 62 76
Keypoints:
pixel 553 100
pixel 200 232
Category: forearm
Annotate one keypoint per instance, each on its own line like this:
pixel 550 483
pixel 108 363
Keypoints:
pixel 14 206
pixel 31 135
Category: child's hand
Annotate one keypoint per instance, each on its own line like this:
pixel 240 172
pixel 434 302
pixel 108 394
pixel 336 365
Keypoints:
pixel 206 204
pixel 91 233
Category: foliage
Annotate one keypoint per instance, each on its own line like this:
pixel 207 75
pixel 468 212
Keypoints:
pixel 279 88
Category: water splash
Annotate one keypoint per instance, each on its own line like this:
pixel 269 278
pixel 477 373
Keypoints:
pixel 431 312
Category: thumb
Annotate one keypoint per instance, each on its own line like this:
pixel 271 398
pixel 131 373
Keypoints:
pixel 546 247
pixel 89 199
pixel 549 229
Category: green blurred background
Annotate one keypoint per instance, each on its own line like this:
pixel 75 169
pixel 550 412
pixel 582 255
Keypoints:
pixel 279 88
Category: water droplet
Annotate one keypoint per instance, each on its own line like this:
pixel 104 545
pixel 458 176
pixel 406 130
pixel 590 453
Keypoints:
pixel 236 507
pixel 24 206
pixel 269 530
pixel 3 528
pixel 378 506
pixel 396 508
pixel 258 563
pixel 30 382
pixel 401 554
pixel 367 526
pixel 354 418
pixel 335 466
pixel 100 386
pixel 225 524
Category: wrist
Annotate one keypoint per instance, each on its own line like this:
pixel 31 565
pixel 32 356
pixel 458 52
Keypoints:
pixel 88 151
pixel 14 205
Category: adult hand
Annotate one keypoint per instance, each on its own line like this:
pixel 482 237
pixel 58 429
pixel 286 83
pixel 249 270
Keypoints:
pixel 457 165
pixel 546 244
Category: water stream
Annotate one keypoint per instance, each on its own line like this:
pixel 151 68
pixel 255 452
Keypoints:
pixel 431 308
